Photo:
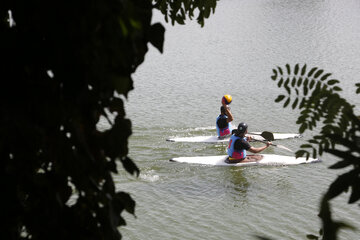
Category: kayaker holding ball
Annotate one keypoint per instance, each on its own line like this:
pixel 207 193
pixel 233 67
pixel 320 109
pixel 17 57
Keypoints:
pixel 223 121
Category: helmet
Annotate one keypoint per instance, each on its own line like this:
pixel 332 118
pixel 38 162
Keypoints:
pixel 227 99
pixel 242 127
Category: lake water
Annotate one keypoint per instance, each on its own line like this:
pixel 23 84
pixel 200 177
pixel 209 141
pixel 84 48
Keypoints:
pixel 178 93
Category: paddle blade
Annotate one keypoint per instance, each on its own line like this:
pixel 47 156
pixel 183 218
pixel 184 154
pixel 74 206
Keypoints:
pixel 267 135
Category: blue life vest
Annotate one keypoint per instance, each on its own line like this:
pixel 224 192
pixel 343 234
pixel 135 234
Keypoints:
pixel 234 153
pixel 223 130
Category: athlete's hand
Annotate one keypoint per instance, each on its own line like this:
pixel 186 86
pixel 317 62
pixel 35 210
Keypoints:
pixel 226 107
pixel 268 144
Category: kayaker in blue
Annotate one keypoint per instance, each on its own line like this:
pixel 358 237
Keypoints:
pixel 239 144
pixel 223 122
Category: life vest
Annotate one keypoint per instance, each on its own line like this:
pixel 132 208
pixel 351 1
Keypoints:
pixel 223 128
pixel 234 153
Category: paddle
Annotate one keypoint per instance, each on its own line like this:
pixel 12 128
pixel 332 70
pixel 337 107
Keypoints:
pixel 269 136
pixel 276 145
pixel 266 135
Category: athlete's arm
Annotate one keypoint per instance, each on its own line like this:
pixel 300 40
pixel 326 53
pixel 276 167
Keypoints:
pixel 259 149
pixel 228 113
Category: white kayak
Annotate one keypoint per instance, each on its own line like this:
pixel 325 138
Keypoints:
pixel 251 160
pixel 215 139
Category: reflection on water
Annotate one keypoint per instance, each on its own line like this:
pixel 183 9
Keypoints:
pixel 237 181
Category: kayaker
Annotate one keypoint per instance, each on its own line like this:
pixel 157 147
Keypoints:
pixel 239 144
pixel 223 121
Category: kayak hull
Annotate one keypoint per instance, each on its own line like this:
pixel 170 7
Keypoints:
pixel 215 139
pixel 259 159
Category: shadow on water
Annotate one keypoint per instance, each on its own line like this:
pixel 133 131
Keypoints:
pixel 238 183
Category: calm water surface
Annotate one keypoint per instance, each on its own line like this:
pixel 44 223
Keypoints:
pixel 178 94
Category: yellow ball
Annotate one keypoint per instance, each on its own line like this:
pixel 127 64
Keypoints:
pixel 227 99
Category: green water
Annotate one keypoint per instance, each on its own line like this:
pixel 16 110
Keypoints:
pixel 178 94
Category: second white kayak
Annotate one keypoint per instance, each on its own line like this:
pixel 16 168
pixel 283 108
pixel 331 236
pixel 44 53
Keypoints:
pixel 215 139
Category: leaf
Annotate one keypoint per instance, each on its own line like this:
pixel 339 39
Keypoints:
pixel 130 166
pixel 340 185
pixel 303 128
pixel 124 200
pixel 346 225
pixel 341 164
pixel 280 70
pixel 314 153
pixel 296 70
pixel 295 103
pixel 300 153
pixel 318 73
pixel 302 104
pixel 332 82
pixel 288 69
pixel 299 81
pixel 305 111
pixel 355 195
pixel 305 90
pixel 293 82
pixel 112 166
pixel 324 88
pixel 306 81
pixel 305 86
pixel 200 18
pixel 287 102
pixel 302 119
pixel 324 77
pixel 287 82
pixel 115 139
pixel 261 237
pixel 313 141
pixel 336 88
pixel 312 83
pixel 288 89
pixel 207 12
pixel 310 236
pixel 180 19
pixel 306 146
pixel 280 82
pixel 122 84
pixel 312 71
pixel 275 75
pixel 183 14
pixel 342 154
pixel 358 88
pixel 156 36
pixel 117 105
pixel 303 70
pixel 279 98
